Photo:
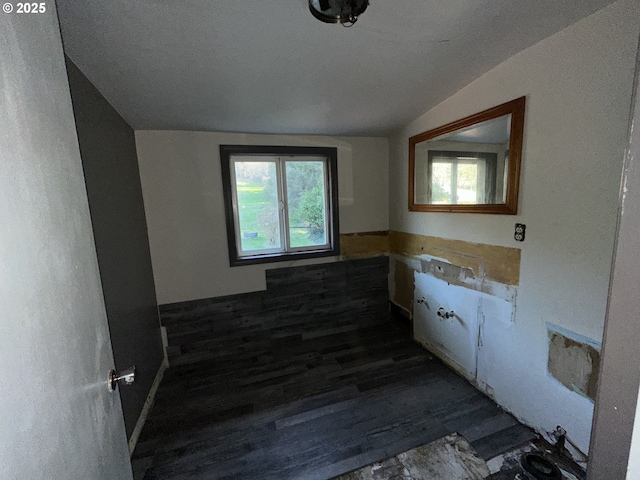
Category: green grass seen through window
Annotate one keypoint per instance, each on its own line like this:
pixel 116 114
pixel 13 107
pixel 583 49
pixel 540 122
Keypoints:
pixel 252 201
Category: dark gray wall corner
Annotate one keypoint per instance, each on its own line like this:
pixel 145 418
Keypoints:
pixel 108 150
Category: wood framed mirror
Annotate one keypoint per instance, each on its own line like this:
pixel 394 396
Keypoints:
pixel 471 165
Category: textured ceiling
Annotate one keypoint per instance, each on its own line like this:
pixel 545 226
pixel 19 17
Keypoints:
pixel 269 66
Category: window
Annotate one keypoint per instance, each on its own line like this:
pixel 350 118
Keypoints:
pixel 459 178
pixel 281 202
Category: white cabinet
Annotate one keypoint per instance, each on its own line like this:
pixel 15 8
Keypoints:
pixel 455 339
pixel 467 340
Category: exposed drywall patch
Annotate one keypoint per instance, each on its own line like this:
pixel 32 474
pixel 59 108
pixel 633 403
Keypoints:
pixel 574 364
pixel 404 282
pixel 552 327
pixel 448 272
pixel 464 277
pixel 364 244
pixel 489 262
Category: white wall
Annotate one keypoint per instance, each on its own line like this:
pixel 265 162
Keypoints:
pixel 578 86
pixel 182 190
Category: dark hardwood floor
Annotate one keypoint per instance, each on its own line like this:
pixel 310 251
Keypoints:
pixel 313 407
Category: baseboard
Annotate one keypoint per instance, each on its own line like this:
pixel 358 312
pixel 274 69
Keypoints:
pixel 399 310
pixel 147 406
pixel 452 364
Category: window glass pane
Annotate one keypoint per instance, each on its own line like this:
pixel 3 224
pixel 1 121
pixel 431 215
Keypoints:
pixel 441 183
pixel 467 188
pixel 306 200
pixel 257 189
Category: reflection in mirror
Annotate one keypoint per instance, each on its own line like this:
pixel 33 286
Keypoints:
pixel 466 166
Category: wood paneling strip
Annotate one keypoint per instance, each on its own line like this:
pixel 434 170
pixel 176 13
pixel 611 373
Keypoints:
pixel 498 264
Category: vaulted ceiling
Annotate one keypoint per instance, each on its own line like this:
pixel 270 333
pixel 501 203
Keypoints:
pixel 268 66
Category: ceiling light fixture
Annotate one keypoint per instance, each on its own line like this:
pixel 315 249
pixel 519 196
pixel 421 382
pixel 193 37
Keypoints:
pixel 345 12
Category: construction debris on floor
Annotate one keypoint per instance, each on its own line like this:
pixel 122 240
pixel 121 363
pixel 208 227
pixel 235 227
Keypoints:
pixel 509 465
pixel 453 458
pixel 450 457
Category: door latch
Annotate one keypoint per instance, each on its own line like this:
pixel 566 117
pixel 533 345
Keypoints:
pixel 125 377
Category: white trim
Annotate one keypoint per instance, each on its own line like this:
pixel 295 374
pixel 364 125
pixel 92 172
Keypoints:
pixel 135 435
pixel 283 205
pixel 280 163
pixel 236 208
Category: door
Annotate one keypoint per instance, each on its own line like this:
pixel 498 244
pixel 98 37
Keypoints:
pixel 58 421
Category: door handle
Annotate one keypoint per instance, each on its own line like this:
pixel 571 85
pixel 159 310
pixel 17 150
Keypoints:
pixel 125 377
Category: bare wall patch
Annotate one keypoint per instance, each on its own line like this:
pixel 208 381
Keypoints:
pixel 491 262
pixel 452 274
pixel 574 364
pixel 364 244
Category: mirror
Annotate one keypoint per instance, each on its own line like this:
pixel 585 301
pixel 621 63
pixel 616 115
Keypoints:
pixel 471 165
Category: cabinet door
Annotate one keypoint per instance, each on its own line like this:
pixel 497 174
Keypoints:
pixel 454 339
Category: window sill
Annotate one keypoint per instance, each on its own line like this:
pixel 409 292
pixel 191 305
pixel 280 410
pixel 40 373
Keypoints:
pixel 283 257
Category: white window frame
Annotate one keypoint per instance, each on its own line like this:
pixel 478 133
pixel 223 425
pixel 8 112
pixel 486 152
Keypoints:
pixel 454 158
pixel 481 165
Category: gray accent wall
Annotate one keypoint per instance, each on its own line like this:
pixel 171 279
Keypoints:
pixel 108 150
